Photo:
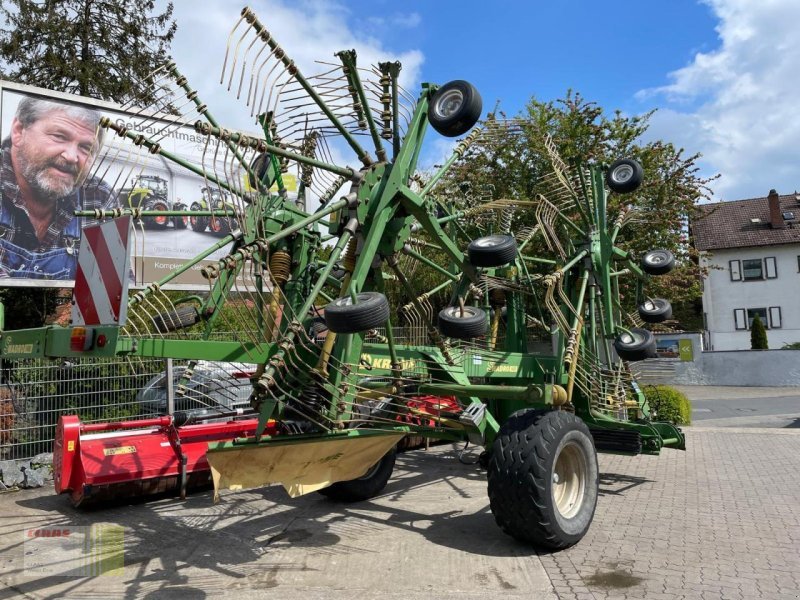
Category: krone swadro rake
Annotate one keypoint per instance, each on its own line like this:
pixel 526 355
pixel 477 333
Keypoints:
pixel 515 340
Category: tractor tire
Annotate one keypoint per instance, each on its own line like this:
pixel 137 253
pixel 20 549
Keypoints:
pixel 372 310
pixel 658 262
pixel 624 176
pixel 260 168
pixel 455 108
pixel 159 222
pixel 470 325
pixel 492 250
pixel 180 222
pixel 365 487
pixel 219 226
pixel 199 224
pixel 543 478
pixel 181 317
pixel 655 310
pixel 638 344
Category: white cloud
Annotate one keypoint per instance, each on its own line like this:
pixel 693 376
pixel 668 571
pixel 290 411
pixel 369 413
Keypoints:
pixel 307 31
pixel 738 104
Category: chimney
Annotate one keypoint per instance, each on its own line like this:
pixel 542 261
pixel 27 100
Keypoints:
pixel 775 216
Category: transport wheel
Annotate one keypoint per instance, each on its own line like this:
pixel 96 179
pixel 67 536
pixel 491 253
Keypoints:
pixel 183 316
pixel 492 250
pixel 365 487
pixel 543 478
pixel 370 311
pixel 465 326
pixel 655 310
pixel 455 108
pixel 199 224
pixel 636 344
pixel 159 222
pixel 624 176
pixel 657 262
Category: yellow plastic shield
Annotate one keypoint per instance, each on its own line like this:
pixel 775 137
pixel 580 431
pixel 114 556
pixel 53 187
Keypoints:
pixel 301 467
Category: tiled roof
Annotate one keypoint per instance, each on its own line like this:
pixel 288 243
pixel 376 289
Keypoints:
pixel 730 225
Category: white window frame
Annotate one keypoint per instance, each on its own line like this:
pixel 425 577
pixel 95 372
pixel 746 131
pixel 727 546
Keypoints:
pixel 770 268
pixel 774 317
pixel 735 267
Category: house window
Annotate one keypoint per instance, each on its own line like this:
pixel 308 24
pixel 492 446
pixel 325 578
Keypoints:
pixel 752 269
pixel 762 314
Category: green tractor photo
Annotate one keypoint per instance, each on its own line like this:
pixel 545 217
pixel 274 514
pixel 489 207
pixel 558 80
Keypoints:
pixel 150 193
pixel 213 199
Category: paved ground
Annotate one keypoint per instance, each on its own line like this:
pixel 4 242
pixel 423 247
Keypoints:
pixel 721 520
pixel 721 406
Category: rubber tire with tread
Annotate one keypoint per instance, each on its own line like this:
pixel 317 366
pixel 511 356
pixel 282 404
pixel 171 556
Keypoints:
pixel 368 486
pixel 182 316
pixel 371 311
pixel 180 222
pixel 492 250
pixel 520 478
pixel 157 222
pixel 629 184
pixel 657 262
pixel 465 116
pixel 638 349
pixel 471 325
pixel 219 226
pixel 199 224
pixel 660 311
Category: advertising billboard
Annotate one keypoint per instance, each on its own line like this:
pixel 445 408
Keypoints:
pixel 56 160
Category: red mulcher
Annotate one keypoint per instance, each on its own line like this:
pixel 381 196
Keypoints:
pixel 98 462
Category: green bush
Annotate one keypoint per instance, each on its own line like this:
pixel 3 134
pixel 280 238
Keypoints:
pixel 758 335
pixel 668 404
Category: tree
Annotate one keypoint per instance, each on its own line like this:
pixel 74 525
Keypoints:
pixel 758 335
pixel 508 161
pixel 103 49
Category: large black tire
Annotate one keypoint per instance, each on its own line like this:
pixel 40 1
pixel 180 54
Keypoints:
pixel 219 226
pixel 543 478
pixel 180 222
pixel 183 316
pixel 624 176
pixel 455 108
pixel 492 250
pixel 658 262
pixel 637 344
pixel 655 310
pixel 199 224
pixel 470 325
pixel 372 310
pixel 260 167
pixel 159 222
pixel 365 487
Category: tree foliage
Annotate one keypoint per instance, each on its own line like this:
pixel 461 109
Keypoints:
pixel 509 164
pixel 103 49
pixel 758 335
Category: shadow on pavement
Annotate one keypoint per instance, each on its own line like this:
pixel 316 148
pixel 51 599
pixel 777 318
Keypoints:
pixel 795 424
pixel 614 484
pixel 166 539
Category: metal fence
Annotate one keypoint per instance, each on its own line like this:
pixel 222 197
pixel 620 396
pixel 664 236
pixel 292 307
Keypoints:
pixel 35 392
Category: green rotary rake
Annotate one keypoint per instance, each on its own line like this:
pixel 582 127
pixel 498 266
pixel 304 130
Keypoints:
pixel 524 353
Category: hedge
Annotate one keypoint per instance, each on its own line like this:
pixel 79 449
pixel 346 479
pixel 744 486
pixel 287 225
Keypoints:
pixel 668 404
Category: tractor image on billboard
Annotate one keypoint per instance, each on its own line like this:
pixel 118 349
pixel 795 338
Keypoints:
pixel 373 306
pixel 150 193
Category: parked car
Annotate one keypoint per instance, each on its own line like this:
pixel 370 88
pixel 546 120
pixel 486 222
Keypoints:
pixel 213 385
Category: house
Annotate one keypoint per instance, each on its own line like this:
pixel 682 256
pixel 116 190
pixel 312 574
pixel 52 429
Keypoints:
pixel 752 249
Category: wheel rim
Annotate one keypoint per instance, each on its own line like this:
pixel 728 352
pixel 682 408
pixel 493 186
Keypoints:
pixel 657 258
pixel 622 173
pixel 162 220
pixel 489 241
pixel 448 104
pixel 455 312
pixel 569 480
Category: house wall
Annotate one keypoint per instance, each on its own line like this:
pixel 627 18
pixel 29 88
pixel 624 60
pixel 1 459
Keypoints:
pixel 722 296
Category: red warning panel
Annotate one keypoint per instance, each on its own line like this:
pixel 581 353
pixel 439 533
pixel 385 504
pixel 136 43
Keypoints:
pixel 101 282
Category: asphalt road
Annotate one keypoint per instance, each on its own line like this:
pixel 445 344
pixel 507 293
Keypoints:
pixel 744 407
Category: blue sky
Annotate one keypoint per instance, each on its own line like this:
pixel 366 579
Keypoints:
pixel 723 74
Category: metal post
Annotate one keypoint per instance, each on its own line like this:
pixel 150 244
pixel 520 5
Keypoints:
pixel 170 388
